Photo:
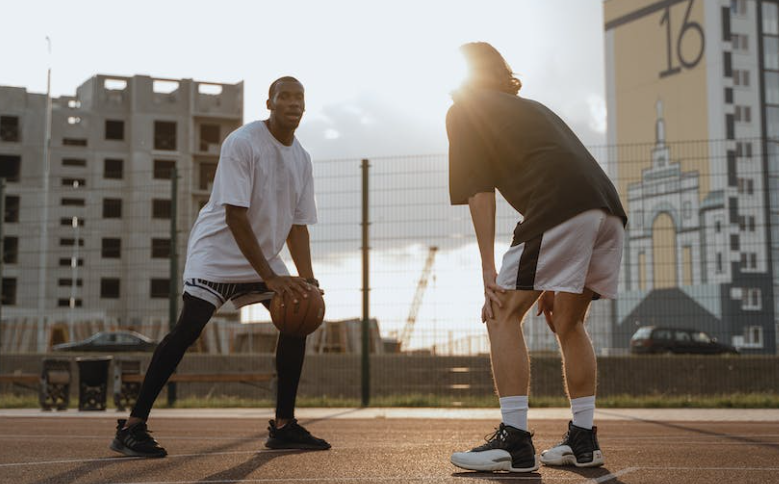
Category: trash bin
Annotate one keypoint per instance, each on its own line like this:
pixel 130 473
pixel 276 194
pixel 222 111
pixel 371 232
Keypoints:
pixel 55 384
pixel 93 382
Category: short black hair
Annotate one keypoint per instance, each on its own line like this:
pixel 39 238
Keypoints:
pixel 278 81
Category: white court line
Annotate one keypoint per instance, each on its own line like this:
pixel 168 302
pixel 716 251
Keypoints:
pixel 505 477
pixel 175 456
pixel 610 445
pixel 766 469
pixel 609 477
pixel 122 459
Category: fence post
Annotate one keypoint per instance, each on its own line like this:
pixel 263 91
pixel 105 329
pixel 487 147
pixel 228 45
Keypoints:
pixel 174 269
pixel 366 381
pixel 2 256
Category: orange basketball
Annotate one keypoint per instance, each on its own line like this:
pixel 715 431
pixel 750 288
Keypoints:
pixel 298 319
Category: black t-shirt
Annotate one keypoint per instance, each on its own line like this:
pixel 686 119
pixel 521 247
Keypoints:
pixel 530 155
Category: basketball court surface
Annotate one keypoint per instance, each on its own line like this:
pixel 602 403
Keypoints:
pixel 386 446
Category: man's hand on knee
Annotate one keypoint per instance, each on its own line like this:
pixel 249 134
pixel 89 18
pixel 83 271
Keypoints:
pixel 546 306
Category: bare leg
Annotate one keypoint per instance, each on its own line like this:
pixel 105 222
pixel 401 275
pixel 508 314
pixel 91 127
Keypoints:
pixel 510 364
pixel 579 364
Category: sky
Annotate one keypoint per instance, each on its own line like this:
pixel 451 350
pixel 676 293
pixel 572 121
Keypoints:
pixel 378 76
pixel 377 73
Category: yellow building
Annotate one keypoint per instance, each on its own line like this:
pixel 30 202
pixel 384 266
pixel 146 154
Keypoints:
pixel 693 130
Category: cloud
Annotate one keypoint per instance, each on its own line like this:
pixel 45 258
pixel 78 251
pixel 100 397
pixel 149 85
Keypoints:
pixel 368 126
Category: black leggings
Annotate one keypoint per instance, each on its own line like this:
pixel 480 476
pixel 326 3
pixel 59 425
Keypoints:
pixel 290 353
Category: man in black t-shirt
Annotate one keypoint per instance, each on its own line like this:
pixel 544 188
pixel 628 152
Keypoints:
pixel 566 251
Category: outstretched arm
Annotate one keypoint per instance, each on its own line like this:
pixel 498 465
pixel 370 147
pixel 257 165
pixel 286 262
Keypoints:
pixel 482 207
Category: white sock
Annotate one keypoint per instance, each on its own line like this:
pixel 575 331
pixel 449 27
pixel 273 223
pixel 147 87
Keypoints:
pixel 583 411
pixel 514 411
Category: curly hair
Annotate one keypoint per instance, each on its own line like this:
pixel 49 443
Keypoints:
pixel 488 69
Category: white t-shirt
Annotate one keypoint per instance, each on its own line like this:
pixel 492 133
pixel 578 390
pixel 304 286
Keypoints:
pixel 274 181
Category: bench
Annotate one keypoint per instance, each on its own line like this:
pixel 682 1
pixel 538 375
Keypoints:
pixel 52 384
pixel 128 379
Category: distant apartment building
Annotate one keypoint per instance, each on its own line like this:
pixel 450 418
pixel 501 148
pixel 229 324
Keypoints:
pixel 693 119
pixel 108 204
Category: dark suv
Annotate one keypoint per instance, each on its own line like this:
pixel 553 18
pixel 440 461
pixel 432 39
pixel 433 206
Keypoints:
pixel 652 339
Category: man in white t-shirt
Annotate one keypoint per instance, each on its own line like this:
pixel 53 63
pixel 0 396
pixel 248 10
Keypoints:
pixel 263 197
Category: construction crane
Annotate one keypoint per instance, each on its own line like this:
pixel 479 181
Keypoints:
pixel 408 328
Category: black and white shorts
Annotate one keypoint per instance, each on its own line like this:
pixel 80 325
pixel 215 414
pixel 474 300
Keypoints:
pixel 583 252
pixel 240 293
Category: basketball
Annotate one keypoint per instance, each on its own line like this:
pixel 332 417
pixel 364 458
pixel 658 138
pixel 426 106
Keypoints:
pixel 297 319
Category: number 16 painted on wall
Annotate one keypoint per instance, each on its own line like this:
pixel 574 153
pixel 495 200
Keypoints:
pixel 688 27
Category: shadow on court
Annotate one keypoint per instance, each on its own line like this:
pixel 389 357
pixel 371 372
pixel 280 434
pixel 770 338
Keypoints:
pixel 243 470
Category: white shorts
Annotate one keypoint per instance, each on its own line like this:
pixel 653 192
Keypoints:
pixel 583 252
pixel 218 293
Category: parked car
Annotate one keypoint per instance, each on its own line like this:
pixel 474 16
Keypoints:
pixel 654 340
pixel 110 341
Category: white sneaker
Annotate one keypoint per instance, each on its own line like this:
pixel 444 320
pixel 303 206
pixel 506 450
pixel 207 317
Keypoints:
pixel 579 448
pixel 508 449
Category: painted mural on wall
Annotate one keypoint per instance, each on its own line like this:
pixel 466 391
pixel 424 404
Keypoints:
pixel 696 253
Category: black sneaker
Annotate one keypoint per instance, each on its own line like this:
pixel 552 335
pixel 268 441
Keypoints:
pixel 293 436
pixel 508 449
pixel 135 441
pixel 579 448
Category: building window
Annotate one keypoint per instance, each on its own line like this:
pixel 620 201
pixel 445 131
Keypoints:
pixel 753 261
pixel 738 7
pixel 751 223
pixel 9 291
pixel 160 288
pixel 163 169
pixel 112 208
pixel 68 262
pixel 70 242
pixel 113 168
pixel 753 337
pixel 11 209
pixel 10 250
pixel 209 138
pixel 71 221
pixel 743 114
pixel 74 182
pixel 165 135
pixel 160 208
pixel 111 248
pixel 734 242
pixel 9 128
pixel 719 268
pixel 114 129
pixel 740 77
pixel 109 288
pixel 771 87
pixel 207 174
pixel 771 53
pixel 74 141
pixel 68 282
pixel 72 202
pixel 770 18
pixel 740 42
pixel 74 162
pixel 751 299
pixel 10 166
pixel 65 303
pixel 744 149
pixel 160 248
